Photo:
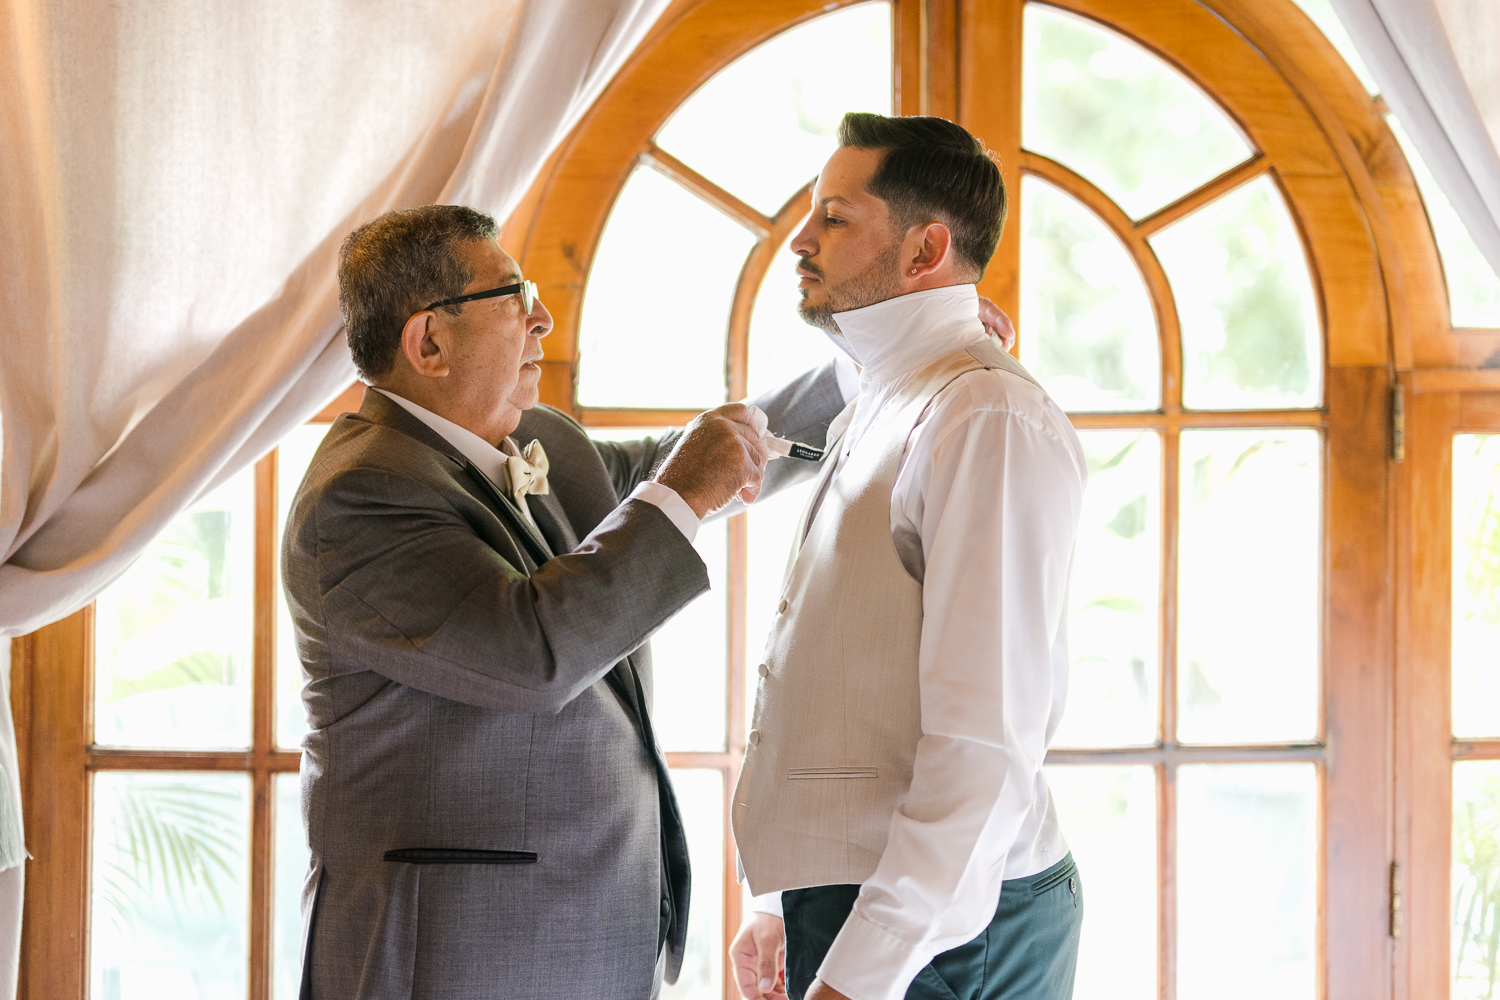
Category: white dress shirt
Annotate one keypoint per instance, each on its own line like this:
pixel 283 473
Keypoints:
pixel 492 462
pixel 990 487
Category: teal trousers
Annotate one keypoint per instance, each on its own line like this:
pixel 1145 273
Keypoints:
pixel 1028 952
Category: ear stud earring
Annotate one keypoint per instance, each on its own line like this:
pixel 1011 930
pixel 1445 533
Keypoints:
pixel 913 270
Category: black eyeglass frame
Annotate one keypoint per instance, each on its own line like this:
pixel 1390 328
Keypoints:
pixel 526 288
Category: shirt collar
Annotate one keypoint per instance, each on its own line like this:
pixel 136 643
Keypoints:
pixel 485 456
pixel 905 333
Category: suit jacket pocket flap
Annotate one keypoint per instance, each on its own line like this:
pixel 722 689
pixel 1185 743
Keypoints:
pixel 459 856
pixel 831 772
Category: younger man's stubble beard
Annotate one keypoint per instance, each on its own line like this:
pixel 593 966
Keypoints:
pixel 878 282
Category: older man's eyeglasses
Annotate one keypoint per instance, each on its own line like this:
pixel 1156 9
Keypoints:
pixel 526 289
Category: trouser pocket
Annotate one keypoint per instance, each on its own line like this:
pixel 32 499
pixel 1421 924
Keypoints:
pixel 1066 871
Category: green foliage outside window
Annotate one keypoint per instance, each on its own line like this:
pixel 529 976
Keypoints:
pixel 1476 880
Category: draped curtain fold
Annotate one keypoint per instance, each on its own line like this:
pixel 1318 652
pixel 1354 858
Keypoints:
pixel 176 177
pixel 1438 66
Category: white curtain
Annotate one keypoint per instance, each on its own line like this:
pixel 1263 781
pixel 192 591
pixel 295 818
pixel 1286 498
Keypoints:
pixel 1438 66
pixel 175 179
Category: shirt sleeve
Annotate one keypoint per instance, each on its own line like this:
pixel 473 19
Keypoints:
pixel 670 503
pixel 768 903
pixel 995 496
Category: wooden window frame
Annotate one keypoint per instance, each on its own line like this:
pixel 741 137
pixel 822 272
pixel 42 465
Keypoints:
pixel 1440 405
pixel 55 727
pixel 1384 311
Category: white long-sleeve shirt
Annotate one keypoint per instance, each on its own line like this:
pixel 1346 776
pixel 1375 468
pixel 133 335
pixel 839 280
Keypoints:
pixel 990 486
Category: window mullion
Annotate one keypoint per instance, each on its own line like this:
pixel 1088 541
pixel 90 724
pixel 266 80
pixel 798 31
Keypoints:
pixel 263 729
pixel 1166 778
pixel 1166 880
pixel 706 189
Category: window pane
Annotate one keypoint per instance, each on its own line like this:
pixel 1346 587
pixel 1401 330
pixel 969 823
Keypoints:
pixel 1112 624
pixel 1248 586
pixel 700 795
pixel 1250 331
pixel 689 654
pixel 782 346
pixel 1118 115
pixel 292 458
pixel 689 658
pixel 640 345
pixel 1476 585
pixel 1476 879
pixel 1473 286
pixel 1108 815
pixel 770 526
pixel 291 870
pixel 1247 899
pixel 1088 331
pixel 170 893
pixel 172 637
pixel 761 127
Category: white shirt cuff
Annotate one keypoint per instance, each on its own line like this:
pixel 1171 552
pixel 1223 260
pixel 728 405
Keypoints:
pixel 867 962
pixel 672 505
pixel 769 903
pixel 847 374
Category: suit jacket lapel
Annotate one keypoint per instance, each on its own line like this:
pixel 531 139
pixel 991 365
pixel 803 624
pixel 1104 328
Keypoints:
pixel 552 521
pixel 376 408
pixel 539 550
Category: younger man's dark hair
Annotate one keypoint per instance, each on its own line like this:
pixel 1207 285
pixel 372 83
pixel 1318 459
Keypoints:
pixel 934 170
pixel 390 268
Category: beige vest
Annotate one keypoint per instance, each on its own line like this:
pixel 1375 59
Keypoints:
pixel 838 709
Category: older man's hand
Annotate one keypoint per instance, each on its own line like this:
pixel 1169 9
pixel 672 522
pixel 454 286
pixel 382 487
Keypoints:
pixel 719 457
pixel 996 323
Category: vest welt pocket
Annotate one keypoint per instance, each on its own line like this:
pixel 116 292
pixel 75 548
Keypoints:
pixel 459 856
pixel 797 773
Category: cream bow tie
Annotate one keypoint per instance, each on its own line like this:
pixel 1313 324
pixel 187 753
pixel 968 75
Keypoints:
pixel 528 473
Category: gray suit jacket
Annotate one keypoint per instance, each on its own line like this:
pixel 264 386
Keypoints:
pixel 487 810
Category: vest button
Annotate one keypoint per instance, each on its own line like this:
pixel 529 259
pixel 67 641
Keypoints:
pixel 763 670
pixel 781 609
pixel 754 737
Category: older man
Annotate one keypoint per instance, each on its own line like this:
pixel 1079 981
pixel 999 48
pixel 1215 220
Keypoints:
pixel 472 582
pixel 893 791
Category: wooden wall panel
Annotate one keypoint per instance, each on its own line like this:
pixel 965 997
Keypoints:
pixel 54 942
pixel 940 58
pixel 907 37
pixel 1358 678
pixel 989 67
pixel 1423 724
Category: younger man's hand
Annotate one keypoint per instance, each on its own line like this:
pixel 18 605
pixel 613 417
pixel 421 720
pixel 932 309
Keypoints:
pixel 758 955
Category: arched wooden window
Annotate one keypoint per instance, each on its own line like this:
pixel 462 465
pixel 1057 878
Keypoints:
pixel 1221 264
pixel 1213 260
